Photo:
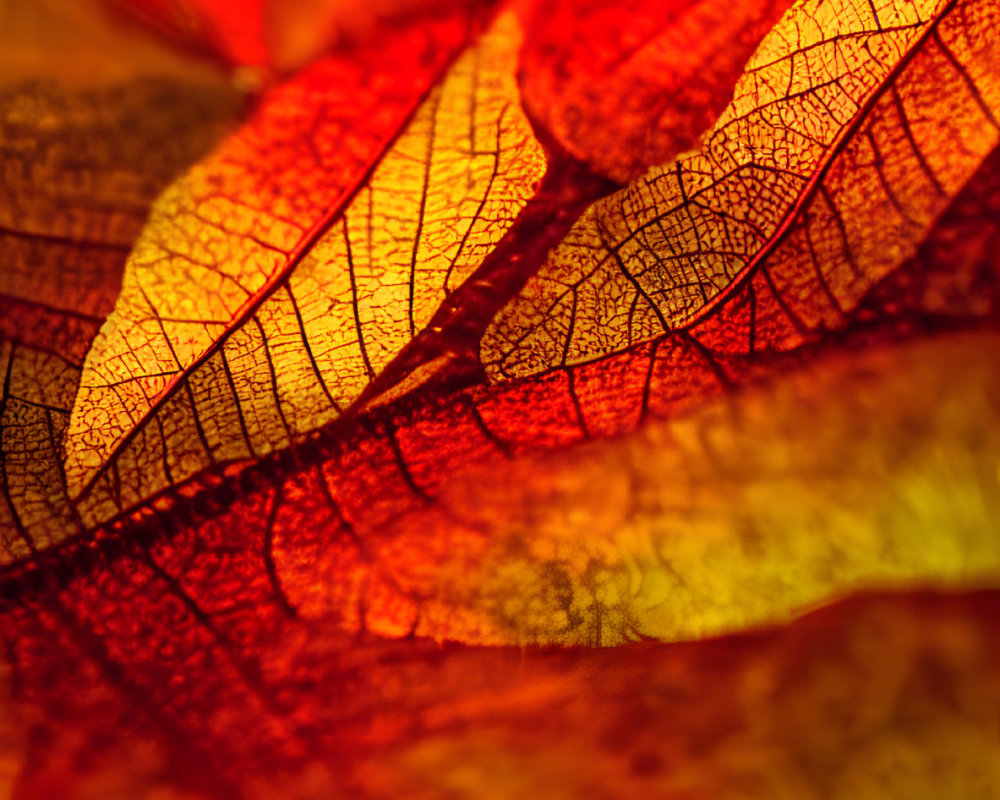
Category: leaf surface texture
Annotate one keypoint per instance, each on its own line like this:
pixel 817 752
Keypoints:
pixel 825 172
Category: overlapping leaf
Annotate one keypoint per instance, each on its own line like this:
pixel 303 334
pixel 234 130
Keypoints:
pixel 246 396
pixel 223 639
pixel 243 324
pixel 185 375
pixel 457 522
pixel 826 171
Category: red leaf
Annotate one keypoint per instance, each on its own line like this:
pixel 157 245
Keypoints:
pixel 468 588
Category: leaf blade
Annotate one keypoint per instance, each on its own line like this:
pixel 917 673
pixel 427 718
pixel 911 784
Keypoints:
pixel 670 249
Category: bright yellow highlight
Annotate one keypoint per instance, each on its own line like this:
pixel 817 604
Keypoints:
pixel 798 146
pixel 437 203
pixel 876 470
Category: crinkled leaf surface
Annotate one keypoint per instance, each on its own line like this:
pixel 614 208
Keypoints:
pixel 350 604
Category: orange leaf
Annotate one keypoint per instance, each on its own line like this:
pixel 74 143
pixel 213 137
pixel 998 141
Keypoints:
pixel 220 622
pixel 827 170
pixel 626 86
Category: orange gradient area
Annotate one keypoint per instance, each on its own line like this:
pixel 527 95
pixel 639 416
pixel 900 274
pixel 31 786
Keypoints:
pixel 846 702
pixel 94 123
pixel 306 332
pixel 231 30
pixel 259 38
pixel 37 394
pixel 826 171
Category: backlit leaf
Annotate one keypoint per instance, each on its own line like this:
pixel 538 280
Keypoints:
pixel 318 555
pixel 241 327
pixel 825 172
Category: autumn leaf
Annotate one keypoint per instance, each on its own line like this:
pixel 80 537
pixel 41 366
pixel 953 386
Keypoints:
pixel 417 457
pixel 775 187
pixel 354 262
pixel 354 297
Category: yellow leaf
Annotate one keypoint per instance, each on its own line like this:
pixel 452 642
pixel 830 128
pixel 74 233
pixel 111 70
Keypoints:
pixel 237 331
pixel 851 128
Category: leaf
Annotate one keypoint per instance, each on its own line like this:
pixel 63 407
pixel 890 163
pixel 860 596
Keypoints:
pixel 343 524
pixel 88 141
pixel 219 347
pixel 362 580
pixel 829 703
pixel 626 86
pixel 826 171
pixel 231 634
pixel 240 328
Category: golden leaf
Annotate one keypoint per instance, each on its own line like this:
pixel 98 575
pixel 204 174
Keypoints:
pixel 239 329
pixel 850 129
